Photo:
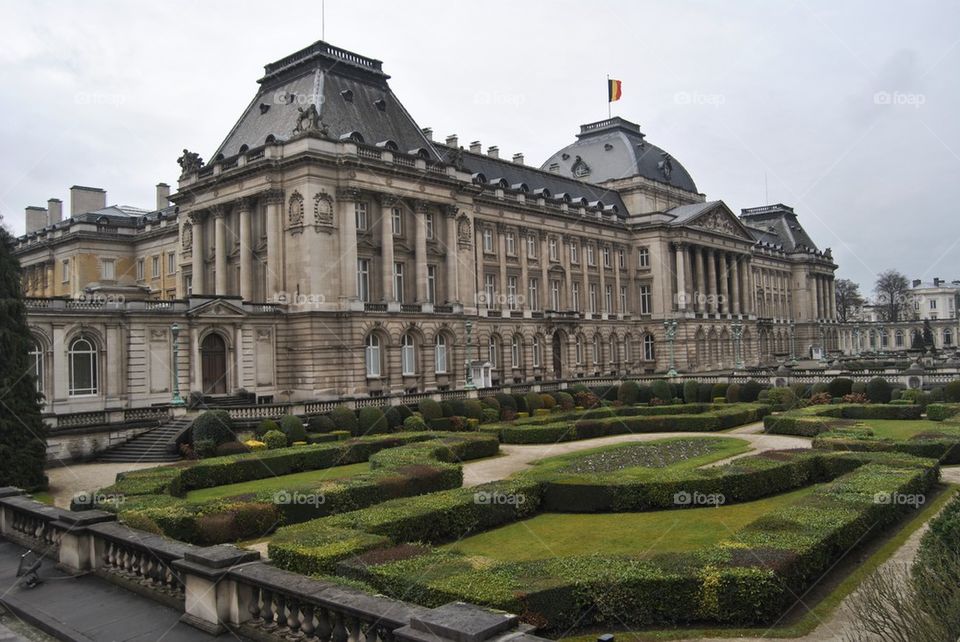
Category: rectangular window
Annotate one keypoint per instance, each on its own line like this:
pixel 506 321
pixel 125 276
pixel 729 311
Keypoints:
pixel 593 298
pixel 606 256
pixel 489 289
pixel 608 298
pixel 511 244
pixel 643 257
pixel 555 294
pixel 363 280
pixel 408 357
pixel 171 262
pixel 396 221
pixel 623 299
pixel 398 282
pixel 431 284
pixel 108 269
pixel 488 240
pixel 646 302
pixel 574 253
pixel 531 246
pixel 933 304
pixel 512 292
pixel 188 284
pixel 360 212
pixel 139 269
pixel 536 352
pixel 621 259
pixel 552 244
pixel 155 261
pixel 65 269
pixel 591 258
pixel 533 294
pixel 428 224
pixel 575 295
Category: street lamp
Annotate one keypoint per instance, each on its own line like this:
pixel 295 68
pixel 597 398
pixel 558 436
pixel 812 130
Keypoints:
pixel 737 328
pixel 670 329
pixel 177 399
pixel 468 324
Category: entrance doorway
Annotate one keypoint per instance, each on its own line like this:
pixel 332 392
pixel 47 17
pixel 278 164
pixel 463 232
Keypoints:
pixel 213 362
pixel 557 345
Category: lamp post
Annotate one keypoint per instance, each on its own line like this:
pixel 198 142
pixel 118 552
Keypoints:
pixel 670 329
pixel 468 324
pixel 177 400
pixel 793 343
pixel 737 328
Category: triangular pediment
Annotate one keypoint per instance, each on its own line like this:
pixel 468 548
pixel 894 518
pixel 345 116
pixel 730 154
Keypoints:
pixel 218 308
pixel 718 218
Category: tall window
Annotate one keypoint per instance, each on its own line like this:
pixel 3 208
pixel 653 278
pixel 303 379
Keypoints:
pixel 555 294
pixel 628 350
pixel 593 298
pixel 643 257
pixel 363 280
pixel 171 262
pixel 139 269
pixel 898 338
pixel 155 262
pixel 188 284
pixel 596 349
pixel 579 346
pixel 515 351
pixel 574 253
pixel 440 354
pixel 360 213
pixel 36 365
pixel 488 240
pixel 493 351
pixel 612 350
pixel 82 357
pixel 648 351
pixel 489 288
pixel 431 284
pixel 591 257
pixel 646 300
pixel 511 244
pixel 428 225
pixel 65 270
pixel 552 245
pixel 537 348
pixel 408 354
pixel 512 292
pixel 398 282
pixel 623 299
pixel 108 269
pixel 606 256
pixel 533 294
pixel 621 259
pixel 575 295
pixel 531 246
pixel 396 221
pixel 608 298
pixel 372 356
pixel 947 337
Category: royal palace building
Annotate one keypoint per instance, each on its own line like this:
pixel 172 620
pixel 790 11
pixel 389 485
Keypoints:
pixel 331 248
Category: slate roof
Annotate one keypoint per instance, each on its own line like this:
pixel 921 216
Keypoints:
pixel 351 94
pixel 777 225
pixel 685 213
pixel 616 148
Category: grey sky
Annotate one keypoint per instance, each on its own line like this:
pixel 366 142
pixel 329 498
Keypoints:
pixel 849 109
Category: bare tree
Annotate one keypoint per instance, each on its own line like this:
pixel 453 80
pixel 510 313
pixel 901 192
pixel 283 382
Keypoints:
pixel 849 299
pixel 891 289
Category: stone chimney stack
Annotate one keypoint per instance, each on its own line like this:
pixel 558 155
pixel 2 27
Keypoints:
pixel 936 281
pixel 476 147
pixel 518 159
pixel 452 141
pixel 86 199
pixel 55 209
pixel 428 133
pixel 36 218
pixel 163 196
pixel 916 283
pixel 493 151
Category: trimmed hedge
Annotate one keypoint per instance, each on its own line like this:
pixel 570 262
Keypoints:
pixel 942 444
pixel 213 425
pixel 811 421
pixel 942 411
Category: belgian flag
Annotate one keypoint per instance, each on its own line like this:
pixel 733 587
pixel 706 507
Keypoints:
pixel 613 90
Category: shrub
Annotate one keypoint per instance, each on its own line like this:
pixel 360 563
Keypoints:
pixel 661 390
pixel 414 423
pixel 840 387
pixel 782 398
pixel 275 439
pixel 855 397
pixel 372 421
pixel 394 417
pixel 937 395
pixel 265 426
pixel 719 390
pixel 203 448
pixel 491 402
pixel 548 402
pixel 231 448
pixel 951 392
pixel 820 399
pixel 586 399
pixel 800 390
pixel 629 393
pixel 565 401
pixel 859 387
pixel 213 425
pixel 446 408
pixel 534 402
pixel 819 388
pixel 691 391
pixel 750 391
pixel 507 402
pixel 254 444
pixel 345 419
pixel 733 393
pixel 430 409
pixel 320 423
pixel 878 390
pixel 292 427
pixel 490 415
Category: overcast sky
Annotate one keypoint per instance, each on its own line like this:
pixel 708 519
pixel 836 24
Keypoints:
pixel 847 111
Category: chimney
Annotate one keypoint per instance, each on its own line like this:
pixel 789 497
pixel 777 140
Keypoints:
pixel 518 159
pixel 936 281
pixel 493 151
pixel 86 199
pixel 476 147
pixel 163 196
pixel 452 141
pixel 36 218
pixel 916 283
pixel 428 133
pixel 55 208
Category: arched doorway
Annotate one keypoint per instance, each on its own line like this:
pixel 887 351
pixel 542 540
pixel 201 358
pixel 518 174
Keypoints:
pixel 213 362
pixel 557 354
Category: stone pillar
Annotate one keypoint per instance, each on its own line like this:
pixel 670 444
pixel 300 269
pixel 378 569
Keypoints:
pixel 274 281
pixel 711 282
pixel 544 274
pixel 524 285
pixel 616 279
pixel 385 203
pixel 420 249
pixel 76 552
pixel 453 279
pixel 244 205
pixel 566 298
pixel 346 204
pixel 602 294
pixel 833 299
pixel 585 278
pixel 220 251
pixel 211 597
pixel 724 283
pixel 502 256
pixel 199 245
pixel 818 314
pixel 701 299
pixel 688 276
pixel 681 301
pixel 735 282
pixel 196 367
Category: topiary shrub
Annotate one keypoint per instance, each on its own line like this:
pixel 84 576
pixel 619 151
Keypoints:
pixel 691 391
pixel 629 393
pixel 705 393
pixel 507 402
pixel 644 394
pixel 840 386
pixel 430 410
pixel 215 426
pixel 275 439
pixel 548 402
pixel 662 390
pixel 951 392
pixel 203 448
pixel 750 391
pixel 533 402
pixel 859 387
pixel 393 417
pixel 799 389
pixel 490 415
pixel 473 409
pixel 414 423
pixel 265 426
pixel 372 421
pixel 719 390
pixel 733 394
pixel 292 427
pixel 231 448
pixel 446 408
pixel 878 390
pixel 782 398
pixel 937 395
pixel 320 423
pixel 565 401
pixel 345 419
pixel 820 388
pixel 491 402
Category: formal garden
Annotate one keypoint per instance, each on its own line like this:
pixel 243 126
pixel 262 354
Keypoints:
pixel 691 529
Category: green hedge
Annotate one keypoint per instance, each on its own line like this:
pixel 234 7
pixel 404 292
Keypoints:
pixel 942 444
pixel 942 411
pixel 813 420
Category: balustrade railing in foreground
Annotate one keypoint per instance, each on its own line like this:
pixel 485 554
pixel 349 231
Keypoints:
pixel 220 588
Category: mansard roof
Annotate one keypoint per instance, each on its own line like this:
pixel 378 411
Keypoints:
pixel 350 93
pixel 777 225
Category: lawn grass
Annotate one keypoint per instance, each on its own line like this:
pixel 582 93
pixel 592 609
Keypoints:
pixel 629 534
pixel 899 429
pixel 43 497
pixel 277 483
pixel 823 608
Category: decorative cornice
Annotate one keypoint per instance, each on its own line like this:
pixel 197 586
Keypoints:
pixel 274 196
pixel 450 211
pixel 389 200
pixel 348 194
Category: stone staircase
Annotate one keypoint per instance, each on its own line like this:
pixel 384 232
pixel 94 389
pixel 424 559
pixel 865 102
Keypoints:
pixel 227 401
pixel 157 445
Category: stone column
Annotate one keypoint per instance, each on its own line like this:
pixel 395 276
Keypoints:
pixel 385 203
pixel 346 204
pixel 566 298
pixel 585 278
pixel 502 256
pixel 199 245
pixel 724 283
pixel 833 298
pixel 681 301
pixel 450 216
pixel 244 214
pixel 688 276
pixel 220 251
pixel 616 279
pixel 735 282
pixel 544 274
pixel 819 297
pixel 524 285
pixel 711 282
pixel 421 209
pixel 701 300
pixel 274 281
pixel 602 294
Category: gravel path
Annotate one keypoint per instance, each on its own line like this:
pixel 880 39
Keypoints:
pixel 67 481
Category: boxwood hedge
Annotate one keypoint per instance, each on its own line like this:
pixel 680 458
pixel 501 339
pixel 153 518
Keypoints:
pixel 813 420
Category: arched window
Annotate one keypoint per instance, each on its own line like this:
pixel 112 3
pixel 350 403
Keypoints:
pixel 493 351
pixel 408 354
pixel 873 339
pixel 898 338
pixel 373 356
pixel 440 354
pixel 628 349
pixel 648 348
pixel 612 350
pixel 36 365
pixel 82 357
pixel 947 337
pixel 537 348
pixel 515 343
pixel 596 349
pixel 579 350
pixel 884 342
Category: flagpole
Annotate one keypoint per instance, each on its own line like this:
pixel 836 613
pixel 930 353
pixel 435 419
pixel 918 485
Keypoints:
pixel 608 97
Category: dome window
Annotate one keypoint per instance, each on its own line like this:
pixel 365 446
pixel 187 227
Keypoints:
pixel 389 145
pixel 352 137
pixel 380 104
pixel 520 187
pixel 580 169
pixel 264 108
pixel 347 95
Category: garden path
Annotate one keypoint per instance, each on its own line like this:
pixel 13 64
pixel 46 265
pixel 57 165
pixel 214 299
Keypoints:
pixel 66 481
